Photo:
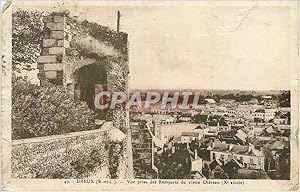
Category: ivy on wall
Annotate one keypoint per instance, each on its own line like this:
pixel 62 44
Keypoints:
pixel 27 28
pixel 46 110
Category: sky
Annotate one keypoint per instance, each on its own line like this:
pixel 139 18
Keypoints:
pixel 246 45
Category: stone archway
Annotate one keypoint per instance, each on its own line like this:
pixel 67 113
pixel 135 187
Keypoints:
pixel 88 81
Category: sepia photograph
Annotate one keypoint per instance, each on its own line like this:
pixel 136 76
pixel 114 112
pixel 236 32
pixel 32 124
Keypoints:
pixel 140 95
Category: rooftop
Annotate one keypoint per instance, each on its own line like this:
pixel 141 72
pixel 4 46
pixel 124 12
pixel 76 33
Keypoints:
pixel 190 134
pixel 236 149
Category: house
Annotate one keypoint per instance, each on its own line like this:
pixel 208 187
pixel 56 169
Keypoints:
pixel 277 146
pixel 196 162
pixel 216 170
pixel 146 117
pixel 265 114
pixel 256 131
pixel 237 126
pixel 241 135
pixel 187 137
pixel 218 122
pixel 223 125
pixel 253 101
pixel 280 121
pixel 186 117
pixel 247 111
pixel 220 111
pixel 229 137
pixel 164 119
pixel 231 168
pixel 231 112
pixel 227 102
pixel 210 132
pixel 285 109
pixel 266 97
pixel 285 131
pixel 247 156
pixel 209 101
pixel 200 129
pixel 270 131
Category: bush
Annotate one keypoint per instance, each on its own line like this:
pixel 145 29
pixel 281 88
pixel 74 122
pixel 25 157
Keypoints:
pixel 46 110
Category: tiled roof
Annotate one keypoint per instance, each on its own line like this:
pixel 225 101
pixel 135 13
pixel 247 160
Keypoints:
pixel 210 100
pixel 229 166
pixel 241 135
pixel 190 134
pixel 214 164
pixel 278 145
pixel 236 149
pixel 260 110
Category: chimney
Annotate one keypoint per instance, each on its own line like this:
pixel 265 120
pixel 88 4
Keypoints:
pixel 196 154
pixel 251 147
pixel 173 149
pixel 230 146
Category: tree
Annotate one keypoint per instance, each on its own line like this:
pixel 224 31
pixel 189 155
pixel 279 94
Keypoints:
pixel 284 164
pixel 285 99
pixel 175 166
pixel 27 27
pixel 199 118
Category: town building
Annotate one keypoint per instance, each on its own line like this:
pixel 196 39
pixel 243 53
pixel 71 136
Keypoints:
pixel 265 114
pixel 188 137
pixel 246 156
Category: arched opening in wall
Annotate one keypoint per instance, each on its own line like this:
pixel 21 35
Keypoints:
pixel 90 80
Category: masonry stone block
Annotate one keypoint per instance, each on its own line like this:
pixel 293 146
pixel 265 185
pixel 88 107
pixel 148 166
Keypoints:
pixel 46 59
pixel 57 50
pixel 49 42
pixel 44 51
pixel 60 75
pixel 63 43
pixel 48 19
pixel 51 74
pixel 68 37
pixel 57 34
pixel 67 28
pixel 55 26
pixel 40 66
pixel 59 19
pixel 41 75
pixel 53 67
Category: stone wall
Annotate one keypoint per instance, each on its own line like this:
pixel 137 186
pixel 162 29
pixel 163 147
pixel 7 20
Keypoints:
pixel 142 151
pixel 56 66
pixel 74 155
pixel 88 43
pixel 56 38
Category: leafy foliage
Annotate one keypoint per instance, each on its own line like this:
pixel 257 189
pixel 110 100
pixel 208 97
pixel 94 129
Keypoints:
pixel 285 99
pixel 118 40
pixel 175 166
pixel 73 157
pixel 27 27
pixel 114 153
pixel 47 110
